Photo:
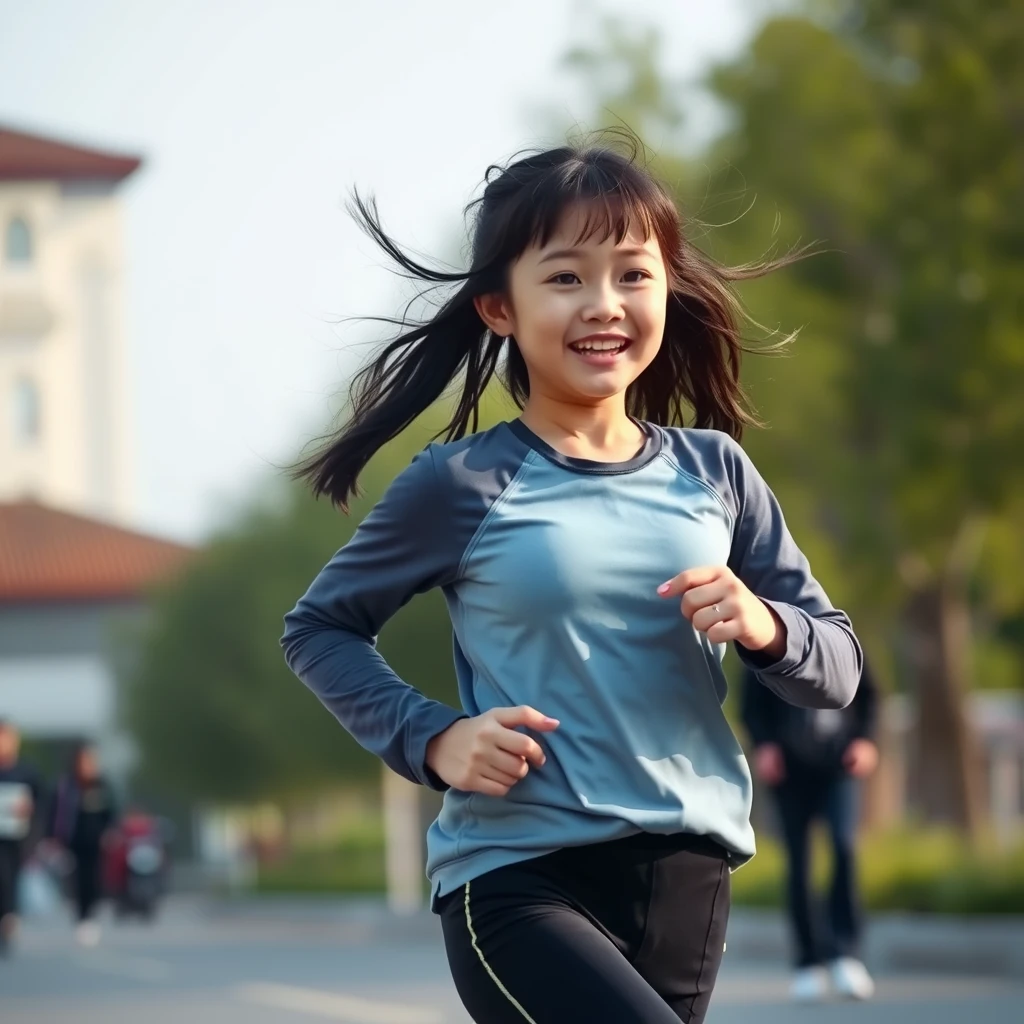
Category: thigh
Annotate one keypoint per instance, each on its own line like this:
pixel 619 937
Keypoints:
pixel 685 939
pixel 532 957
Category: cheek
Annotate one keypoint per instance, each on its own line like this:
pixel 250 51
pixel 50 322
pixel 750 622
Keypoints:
pixel 650 318
pixel 541 325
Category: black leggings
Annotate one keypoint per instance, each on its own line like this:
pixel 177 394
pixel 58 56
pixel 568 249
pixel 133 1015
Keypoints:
pixel 630 932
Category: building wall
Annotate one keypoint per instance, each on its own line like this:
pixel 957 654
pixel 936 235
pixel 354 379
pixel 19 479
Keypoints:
pixel 57 673
pixel 62 327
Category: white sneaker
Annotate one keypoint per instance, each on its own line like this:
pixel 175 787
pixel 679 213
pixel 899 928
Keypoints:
pixel 87 934
pixel 809 985
pixel 851 978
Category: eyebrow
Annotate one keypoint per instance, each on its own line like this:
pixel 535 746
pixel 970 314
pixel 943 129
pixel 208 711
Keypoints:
pixel 563 254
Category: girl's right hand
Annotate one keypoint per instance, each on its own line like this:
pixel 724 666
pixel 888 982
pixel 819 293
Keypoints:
pixel 487 754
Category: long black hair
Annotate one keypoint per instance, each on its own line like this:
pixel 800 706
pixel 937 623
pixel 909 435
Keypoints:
pixel 696 369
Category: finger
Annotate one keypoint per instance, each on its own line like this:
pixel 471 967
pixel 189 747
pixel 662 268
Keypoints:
pixel 524 715
pixel 508 764
pixel 723 632
pixel 499 777
pixel 705 616
pixel 520 745
pixel 678 585
pixel 489 787
pixel 715 592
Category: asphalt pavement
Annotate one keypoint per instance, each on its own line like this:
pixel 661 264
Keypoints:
pixel 298 962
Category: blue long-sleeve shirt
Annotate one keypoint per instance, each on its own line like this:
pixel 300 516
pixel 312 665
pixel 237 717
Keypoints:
pixel 550 566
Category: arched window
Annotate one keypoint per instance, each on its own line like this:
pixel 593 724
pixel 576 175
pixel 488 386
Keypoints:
pixel 18 241
pixel 26 412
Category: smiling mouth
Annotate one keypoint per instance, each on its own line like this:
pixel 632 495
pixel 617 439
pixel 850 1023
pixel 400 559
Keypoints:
pixel 600 347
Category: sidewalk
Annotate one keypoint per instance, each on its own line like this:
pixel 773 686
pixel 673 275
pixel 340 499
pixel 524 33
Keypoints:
pixel 979 946
pixel 987 946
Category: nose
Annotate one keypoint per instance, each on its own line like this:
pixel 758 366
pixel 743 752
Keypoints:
pixel 603 304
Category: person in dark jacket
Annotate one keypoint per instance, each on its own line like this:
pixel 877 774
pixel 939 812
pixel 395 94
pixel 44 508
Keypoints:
pixel 21 804
pixel 83 816
pixel 813 761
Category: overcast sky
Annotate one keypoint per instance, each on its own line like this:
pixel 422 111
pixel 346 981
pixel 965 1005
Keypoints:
pixel 253 119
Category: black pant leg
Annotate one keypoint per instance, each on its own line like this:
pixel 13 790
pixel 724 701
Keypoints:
pixel 684 942
pixel 518 956
pixel 840 811
pixel 10 868
pixel 797 807
pixel 87 881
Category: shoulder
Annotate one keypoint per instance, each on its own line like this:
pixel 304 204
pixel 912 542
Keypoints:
pixel 453 484
pixel 475 469
pixel 713 457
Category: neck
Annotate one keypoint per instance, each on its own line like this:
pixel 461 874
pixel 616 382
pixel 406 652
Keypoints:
pixel 596 427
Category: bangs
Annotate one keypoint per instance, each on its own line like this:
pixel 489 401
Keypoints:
pixel 610 196
pixel 607 194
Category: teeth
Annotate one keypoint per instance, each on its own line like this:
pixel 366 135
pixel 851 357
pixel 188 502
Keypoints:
pixel 599 346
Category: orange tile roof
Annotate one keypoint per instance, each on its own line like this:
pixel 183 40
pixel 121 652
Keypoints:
pixel 51 555
pixel 25 157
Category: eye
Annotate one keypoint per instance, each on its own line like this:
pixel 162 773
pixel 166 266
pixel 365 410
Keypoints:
pixel 635 276
pixel 567 278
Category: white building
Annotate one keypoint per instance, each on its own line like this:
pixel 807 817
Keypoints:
pixel 71 573
pixel 64 437
pixel 69 588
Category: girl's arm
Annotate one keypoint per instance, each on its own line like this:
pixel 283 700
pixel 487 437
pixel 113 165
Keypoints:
pixel 403 547
pixel 821 665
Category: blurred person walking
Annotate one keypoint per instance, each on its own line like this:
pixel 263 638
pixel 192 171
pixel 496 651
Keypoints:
pixel 84 814
pixel 813 761
pixel 597 557
pixel 21 810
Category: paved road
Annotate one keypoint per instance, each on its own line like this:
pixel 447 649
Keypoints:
pixel 260 965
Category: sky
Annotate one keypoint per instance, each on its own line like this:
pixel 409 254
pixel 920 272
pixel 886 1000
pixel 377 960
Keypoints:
pixel 254 119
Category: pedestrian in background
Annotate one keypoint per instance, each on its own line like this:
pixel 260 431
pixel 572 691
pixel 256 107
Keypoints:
pixel 813 761
pixel 21 806
pixel 84 814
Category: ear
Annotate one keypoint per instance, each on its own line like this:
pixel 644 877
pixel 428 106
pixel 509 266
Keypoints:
pixel 494 311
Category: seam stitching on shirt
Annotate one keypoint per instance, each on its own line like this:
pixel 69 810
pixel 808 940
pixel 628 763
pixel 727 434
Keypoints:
pixel 507 491
pixel 702 484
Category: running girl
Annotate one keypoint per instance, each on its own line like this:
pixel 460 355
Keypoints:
pixel 596 559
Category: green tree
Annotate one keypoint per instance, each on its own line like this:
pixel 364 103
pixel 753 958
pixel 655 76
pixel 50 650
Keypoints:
pixel 217 714
pixel 891 131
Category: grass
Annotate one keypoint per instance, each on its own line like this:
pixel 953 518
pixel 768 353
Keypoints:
pixel 353 864
pixel 906 870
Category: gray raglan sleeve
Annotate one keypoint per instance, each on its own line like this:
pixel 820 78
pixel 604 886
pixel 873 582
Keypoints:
pixel 403 547
pixel 822 663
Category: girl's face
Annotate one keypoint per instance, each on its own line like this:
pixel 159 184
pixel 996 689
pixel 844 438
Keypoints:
pixel 588 316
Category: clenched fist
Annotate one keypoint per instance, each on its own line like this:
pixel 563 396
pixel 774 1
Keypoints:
pixel 487 754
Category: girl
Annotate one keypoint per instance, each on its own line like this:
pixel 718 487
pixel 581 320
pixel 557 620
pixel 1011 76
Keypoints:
pixel 596 560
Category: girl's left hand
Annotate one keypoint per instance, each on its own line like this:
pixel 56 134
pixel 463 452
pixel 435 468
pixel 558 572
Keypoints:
pixel 719 604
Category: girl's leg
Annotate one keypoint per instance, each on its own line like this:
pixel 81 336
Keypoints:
pixel 684 941
pixel 533 958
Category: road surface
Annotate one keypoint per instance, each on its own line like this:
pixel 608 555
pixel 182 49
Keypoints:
pixel 262 963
